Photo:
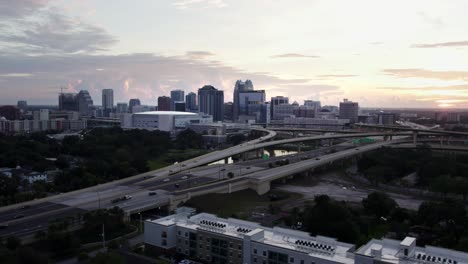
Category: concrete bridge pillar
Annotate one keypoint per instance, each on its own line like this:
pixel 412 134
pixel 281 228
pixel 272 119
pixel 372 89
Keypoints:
pixel 415 137
pixel 226 160
pixel 263 187
pixel 385 138
pixel 229 187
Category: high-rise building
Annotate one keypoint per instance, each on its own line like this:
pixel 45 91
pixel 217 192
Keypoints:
pixel 240 86
pixel 68 102
pixel 133 102
pixel 211 102
pixel 122 108
pixel 191 102
pixel 85 103
pixel 313 104
pixel 280 107
pixel 349 110
pixel 176 96
pixel 386 118
pixel 248 98
pixel 228 111
pixel 107 99
pixel 44 114
pixel 22 105
pixel 164 103
pixel 10 112
pixel 179 106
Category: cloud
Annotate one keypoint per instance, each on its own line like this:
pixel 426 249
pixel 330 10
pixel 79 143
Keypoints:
pixel 293 55
pixel 184 4
pixel 434 21
pixel 199 54
pixel 462 87
pixel 429 74
pixel 19 8
pixel 442 44
pixel 336 75
pixel 144 76
pixel 54 33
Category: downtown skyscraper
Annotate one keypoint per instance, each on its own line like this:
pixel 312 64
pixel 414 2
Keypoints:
pixel 211 102
pixel 240 86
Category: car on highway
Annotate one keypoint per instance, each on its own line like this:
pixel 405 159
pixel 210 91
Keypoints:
pixel 18 216
pixel 120 199
pixel 184 177
pixel 177 185
pixel 166 180
pixel 25 206
pixel 248 168
pixel 152 193
pixel 317 158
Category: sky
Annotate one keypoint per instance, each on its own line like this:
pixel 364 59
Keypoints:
pixel 395 53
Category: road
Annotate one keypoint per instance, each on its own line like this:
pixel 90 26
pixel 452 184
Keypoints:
pixel 165 181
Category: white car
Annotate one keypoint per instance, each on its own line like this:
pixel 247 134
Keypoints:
pixel 166 180
pixel 184 177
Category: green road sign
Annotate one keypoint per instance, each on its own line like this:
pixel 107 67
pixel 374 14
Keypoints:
pixel 265 157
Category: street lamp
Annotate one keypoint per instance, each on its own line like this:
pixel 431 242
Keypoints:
pixel 141 222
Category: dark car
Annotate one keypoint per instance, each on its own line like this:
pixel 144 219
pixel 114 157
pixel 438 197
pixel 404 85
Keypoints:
pixel 152 193
pixel 18 216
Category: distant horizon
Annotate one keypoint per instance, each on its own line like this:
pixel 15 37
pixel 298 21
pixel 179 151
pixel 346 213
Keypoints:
pixel 360 107
pixel 319 50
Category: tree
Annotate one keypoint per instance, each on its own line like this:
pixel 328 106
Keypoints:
pixel 107 258
pixel 331 218
pixel 379 204
pixel 8 185
pixel 12 243
pixel 189 139
pixel 236 139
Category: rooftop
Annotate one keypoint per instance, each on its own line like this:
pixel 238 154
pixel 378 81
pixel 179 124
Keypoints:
pixel 391 251
pixel 166 113
pixel 321 247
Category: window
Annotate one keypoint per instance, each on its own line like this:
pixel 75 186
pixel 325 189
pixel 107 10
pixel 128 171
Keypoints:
pixel 164 242
pixel 179 233
pixel 255 260
pixel 164 234
pixel 186 234
pixel 255 251
pixel 302 261
pixel 264 253
pixel 239 247
pixel 291 259
pixel 186 242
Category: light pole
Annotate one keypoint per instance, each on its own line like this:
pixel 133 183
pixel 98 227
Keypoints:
pixel 103 237
pixel 141 222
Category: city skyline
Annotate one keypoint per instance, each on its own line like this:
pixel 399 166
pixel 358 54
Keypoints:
pixel 304 50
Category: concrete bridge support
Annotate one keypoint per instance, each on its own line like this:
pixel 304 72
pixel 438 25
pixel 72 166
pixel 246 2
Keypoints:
pixel 263 187
pixel 415 137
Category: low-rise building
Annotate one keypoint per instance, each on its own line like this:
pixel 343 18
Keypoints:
pixel 406 252
pixel 169 121
pixel 212 239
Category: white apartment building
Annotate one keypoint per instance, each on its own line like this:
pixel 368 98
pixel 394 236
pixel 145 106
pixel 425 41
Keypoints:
pixel 210 239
